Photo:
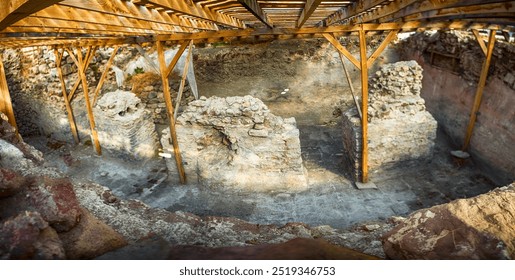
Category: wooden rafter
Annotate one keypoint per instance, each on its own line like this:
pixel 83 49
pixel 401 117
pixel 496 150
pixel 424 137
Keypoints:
pixel 13 11
pixel 309 8
pixel 6 105
pixel 193 10
pixel 254 7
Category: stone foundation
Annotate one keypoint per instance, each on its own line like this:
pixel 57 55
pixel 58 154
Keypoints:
pixel 125 126
pixel 400 129
pixel 236 142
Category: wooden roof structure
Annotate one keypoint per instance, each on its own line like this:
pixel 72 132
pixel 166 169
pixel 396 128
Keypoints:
pixel 70 25
pixel 50 22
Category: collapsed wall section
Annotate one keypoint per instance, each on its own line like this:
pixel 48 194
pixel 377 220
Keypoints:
pixel 236 142
pixel 399 127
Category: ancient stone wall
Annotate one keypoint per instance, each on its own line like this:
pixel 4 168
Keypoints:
pixel 399 129
pixel 449 97
pixel 236 142
pixel 125 126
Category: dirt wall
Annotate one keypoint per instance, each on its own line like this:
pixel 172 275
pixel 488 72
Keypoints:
pixel 449 97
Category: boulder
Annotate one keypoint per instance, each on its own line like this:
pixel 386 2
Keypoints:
pixel 90 238
pixel 10 182
pixel 54 199
pixel 481 227
pixel 28 236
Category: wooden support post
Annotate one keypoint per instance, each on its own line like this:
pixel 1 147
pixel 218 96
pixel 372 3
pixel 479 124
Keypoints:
pixel 351 86
pixel 175 59
pixel 6 105
pixel 169 106
pixel 89 56
pixel 69 110
pixel 104 75
pixel 81 64
pixel 391 35
pixel 364 104
pixel 341 49
pixel 480 88
pixel 183 80
pixel 480 41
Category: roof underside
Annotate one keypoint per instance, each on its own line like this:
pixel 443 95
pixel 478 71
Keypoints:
pixel 46 22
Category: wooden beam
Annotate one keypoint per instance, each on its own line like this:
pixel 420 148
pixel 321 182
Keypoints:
pixel 364 105
pixel 104 75
pixel 349 81
pixel 6 105
pixel 391 35
pixel 69 109
pixel 479 91
pixel 88 59
pixel 169 107
pixel 309 8
pixel 192 9
pixel 480 41
pixel 82 65
pixel 355 8
pixel 183 80
pixel 253 7
pixel 14 10
pixel 341 49
pixel 176 58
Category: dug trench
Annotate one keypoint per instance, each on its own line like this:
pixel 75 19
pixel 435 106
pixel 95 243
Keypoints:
pixel 140 198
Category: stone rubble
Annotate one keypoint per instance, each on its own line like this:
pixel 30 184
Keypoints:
pixel 236 142
pixel 475 228
pixel 124 125
pixel 399 126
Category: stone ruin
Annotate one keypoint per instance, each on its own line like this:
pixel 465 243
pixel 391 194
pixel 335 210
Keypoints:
pixel 236 142
pixel 124 125
pixel 399 127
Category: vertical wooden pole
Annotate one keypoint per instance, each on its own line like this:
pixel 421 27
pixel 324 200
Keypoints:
pixel 480 88
pixel 6 105
pixel 364 104
pixel 71 118
pixel 82 73
pixel 169 107
pixel 183 80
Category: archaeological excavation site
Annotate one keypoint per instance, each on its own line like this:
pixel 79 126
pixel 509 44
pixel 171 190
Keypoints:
pixel 257 129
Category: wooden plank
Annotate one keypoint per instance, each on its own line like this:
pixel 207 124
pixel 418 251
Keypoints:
pixel 253 7
pixel 183 80
pixel 81 63
pixel 351 86
pixel 309 8
pixel 169 110
pixel 69 109
pixel 104 75
pixel 391 35
pixel 175 59
pixel 479 91
pixel 355 8
pixel 6 105
pixel 480 41
pixel 341 49
pixel 88 59
pixel 364 105
pixel 14 10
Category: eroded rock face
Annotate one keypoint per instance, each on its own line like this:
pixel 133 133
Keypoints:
pixel 481 227
pixel 125 126
pixel 236 142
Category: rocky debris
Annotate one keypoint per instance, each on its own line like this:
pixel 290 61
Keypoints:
pixel 295 249
pixel 8 133
pixel 235 141
pixel 142 225
pixel 90 238
pixel 475 228
pixel 464 46
pixel 124 125
pixel 399 126
pixel 28 236
pixel 54 199
pixel 10 182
